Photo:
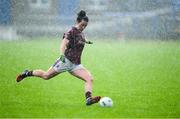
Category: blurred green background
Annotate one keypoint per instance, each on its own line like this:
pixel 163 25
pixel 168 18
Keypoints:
pixel 141 77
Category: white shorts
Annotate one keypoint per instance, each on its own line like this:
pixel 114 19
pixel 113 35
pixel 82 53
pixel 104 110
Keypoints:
pixel 59 66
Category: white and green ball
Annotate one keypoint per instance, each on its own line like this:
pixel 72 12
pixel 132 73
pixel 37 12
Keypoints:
pixel 106 102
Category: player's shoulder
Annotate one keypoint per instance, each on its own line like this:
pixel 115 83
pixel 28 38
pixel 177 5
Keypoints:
pixel 69 33
pixel 73 31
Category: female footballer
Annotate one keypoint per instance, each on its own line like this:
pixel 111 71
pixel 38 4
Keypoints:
pixel 70 59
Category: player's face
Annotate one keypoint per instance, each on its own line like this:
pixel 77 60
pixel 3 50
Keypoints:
pixel 82 25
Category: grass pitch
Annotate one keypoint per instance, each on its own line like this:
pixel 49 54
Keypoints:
pixel 142 78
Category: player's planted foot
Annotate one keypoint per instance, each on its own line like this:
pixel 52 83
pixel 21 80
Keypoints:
pixel 25 74
pixel 92 100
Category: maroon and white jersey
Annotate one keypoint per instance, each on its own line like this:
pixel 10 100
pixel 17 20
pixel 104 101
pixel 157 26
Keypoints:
pixel 75 46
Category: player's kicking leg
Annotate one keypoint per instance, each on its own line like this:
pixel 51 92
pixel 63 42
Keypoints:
pixel 37 73
pixel 86 76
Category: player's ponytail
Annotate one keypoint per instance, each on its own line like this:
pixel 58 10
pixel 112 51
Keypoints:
pixel 82 16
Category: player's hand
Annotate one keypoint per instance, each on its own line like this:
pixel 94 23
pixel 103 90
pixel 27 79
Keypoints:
pixel 62 58
pixel 89 42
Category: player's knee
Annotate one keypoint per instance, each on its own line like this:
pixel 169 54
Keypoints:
pixel 46 76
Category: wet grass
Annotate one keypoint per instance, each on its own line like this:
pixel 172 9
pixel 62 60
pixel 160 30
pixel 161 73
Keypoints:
pixel 142 78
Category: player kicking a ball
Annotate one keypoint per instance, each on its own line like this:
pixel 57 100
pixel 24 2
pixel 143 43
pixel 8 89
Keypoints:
pixel 70 60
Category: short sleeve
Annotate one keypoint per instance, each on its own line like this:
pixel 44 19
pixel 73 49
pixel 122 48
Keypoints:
pixel 67 35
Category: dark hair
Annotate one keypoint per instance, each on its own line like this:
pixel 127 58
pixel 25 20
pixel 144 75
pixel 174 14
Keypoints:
pixel 82 16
